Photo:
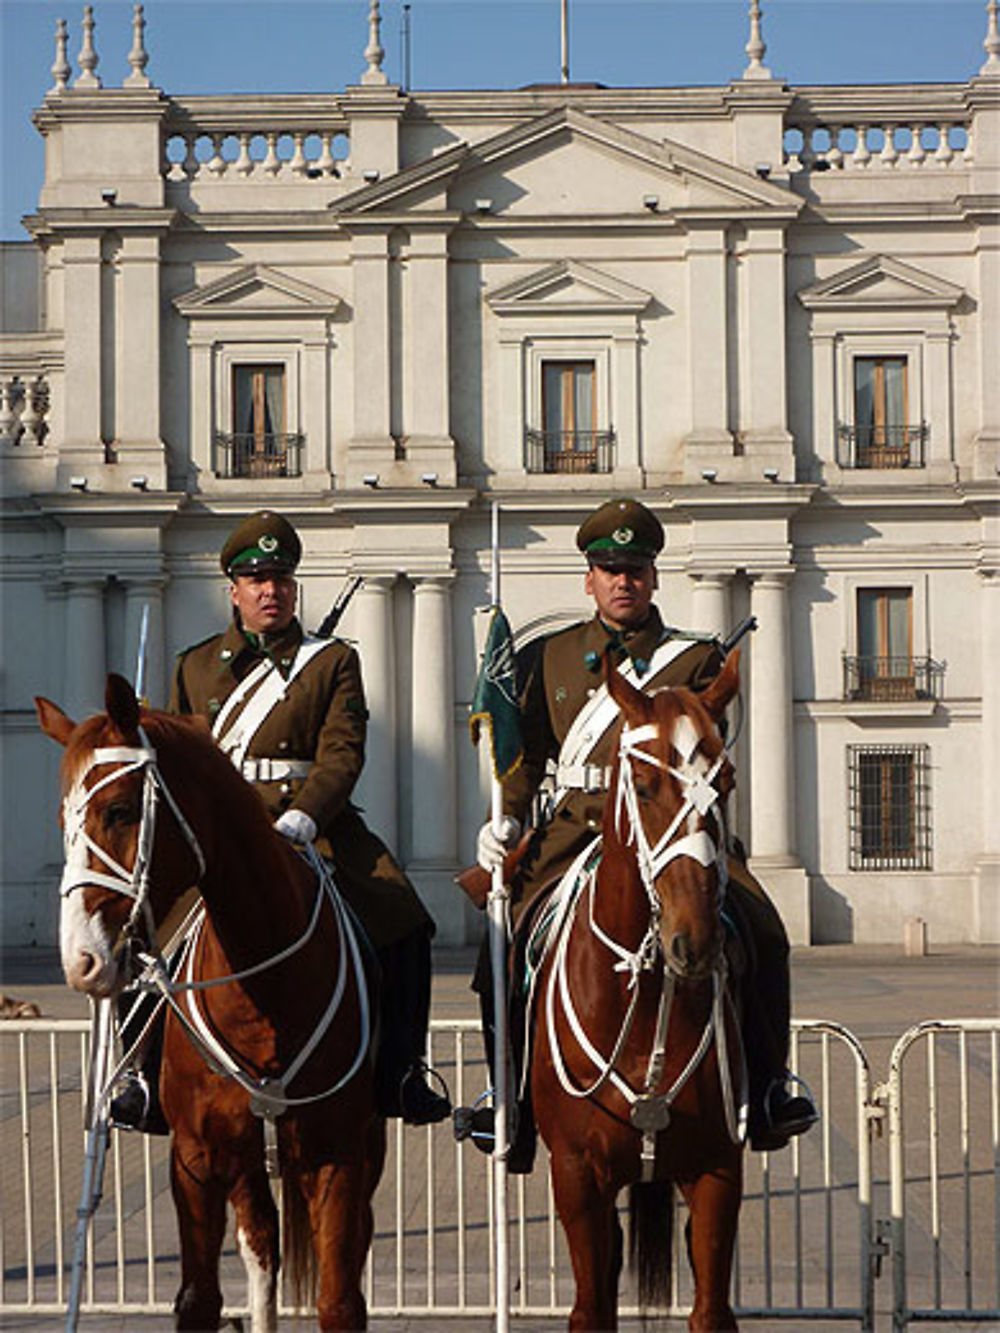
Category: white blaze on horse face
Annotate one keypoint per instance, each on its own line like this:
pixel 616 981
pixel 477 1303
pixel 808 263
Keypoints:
pixel 86 950
pixel 262 1297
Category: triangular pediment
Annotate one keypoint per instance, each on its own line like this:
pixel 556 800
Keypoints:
pixel 881 282
pixel 256 289
pixel 569 163
pixel 568 287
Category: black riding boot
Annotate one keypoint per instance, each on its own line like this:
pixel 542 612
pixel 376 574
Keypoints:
pixel 405 1005
pixel 137 1106
pixel 476 1123
pixel 775 1114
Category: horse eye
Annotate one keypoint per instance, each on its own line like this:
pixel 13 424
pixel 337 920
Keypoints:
pixel 119 813
pixel 644 791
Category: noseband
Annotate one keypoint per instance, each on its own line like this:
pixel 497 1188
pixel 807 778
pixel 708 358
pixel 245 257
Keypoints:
pixel 77 842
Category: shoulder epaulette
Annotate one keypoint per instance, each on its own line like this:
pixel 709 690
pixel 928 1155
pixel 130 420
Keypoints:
pixel 200 644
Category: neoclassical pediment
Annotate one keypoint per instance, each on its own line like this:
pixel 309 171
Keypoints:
pixel 258 290
pixel 568 287
pixel 569 163
pixel 881 282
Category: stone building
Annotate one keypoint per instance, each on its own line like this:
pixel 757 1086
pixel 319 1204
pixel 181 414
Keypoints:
pixel 771 311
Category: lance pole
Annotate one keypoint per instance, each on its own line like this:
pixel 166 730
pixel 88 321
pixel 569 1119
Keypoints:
pixel 498 905
pixel 97 1127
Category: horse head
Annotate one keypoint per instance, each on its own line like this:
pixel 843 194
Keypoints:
pixel 111 789
pixel 667 808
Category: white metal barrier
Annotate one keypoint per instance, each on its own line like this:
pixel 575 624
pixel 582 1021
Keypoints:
pixel 810 1244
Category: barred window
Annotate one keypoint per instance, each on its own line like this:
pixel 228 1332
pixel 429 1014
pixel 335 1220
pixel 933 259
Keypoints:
pixel 889 805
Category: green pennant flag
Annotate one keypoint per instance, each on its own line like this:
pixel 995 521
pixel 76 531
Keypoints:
pixel 495 700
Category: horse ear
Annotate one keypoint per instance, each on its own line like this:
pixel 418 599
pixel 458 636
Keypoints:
pixel 122 706
pixel 723 688
pixel 53 721
pixel 625 695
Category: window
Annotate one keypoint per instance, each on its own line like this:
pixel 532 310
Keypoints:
pixel 881 436
pixel 258 445
pixel 568 440
pixel 885 668
pixel 889 804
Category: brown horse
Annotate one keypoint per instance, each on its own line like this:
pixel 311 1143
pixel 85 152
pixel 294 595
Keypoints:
pixel 637 1071
pixel 151 807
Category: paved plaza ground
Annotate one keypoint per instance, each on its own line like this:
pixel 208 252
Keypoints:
pixel 875 992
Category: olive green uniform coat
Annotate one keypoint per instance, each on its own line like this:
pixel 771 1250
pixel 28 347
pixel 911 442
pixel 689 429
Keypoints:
pixel 558 676
pixel 322 719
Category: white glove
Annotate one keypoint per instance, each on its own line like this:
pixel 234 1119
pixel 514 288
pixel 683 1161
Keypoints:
pixel 491 848
pixel 296 826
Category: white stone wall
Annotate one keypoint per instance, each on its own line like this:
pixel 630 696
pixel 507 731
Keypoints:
pixel 689 241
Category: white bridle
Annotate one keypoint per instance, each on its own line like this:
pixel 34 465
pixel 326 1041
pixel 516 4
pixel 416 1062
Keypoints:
pixel 268 1096
pixel 650 1111
pixel 77 842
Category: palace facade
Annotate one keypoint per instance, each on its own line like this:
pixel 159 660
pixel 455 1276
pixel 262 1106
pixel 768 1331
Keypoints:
pixel 771 312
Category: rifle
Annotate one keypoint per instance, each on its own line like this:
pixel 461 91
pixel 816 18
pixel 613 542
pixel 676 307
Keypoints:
pixel 332 617
pixel 732 639
pixel 475 882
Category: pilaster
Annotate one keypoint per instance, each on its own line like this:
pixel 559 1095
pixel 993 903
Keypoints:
pixel 85 676
pixel 372 448
pixel 986 885
pixel 139 448
pixel 709 439
pixel 764 434
pixel 429 446
pixel 82 446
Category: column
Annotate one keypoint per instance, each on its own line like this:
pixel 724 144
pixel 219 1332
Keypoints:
pixel 86 666
pixel 772 760
pixel 376 792
pixel 986 914
pixel 710 603
pixel 707 338
pixel 140 593
pixel 434 797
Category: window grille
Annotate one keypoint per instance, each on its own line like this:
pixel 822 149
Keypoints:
pixel 889 807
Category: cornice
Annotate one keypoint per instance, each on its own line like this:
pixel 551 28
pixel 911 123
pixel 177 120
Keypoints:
pixel 96 221
pixel 109 104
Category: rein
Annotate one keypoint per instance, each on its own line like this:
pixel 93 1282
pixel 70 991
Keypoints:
pixel 268 1096
pixel 649 1110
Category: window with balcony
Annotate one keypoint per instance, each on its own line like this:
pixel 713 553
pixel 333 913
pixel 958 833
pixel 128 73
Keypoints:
pixel 258 444
pixel 889 807
pixel 885 668
pixel 881 436
pixel 568 440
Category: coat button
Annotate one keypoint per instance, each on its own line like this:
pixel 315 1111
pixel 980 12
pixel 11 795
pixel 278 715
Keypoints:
pixel 226 654
pixel 282 745
pixel 284 789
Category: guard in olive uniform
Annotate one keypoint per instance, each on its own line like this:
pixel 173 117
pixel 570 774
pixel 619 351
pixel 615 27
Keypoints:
pixel 557 675
pixel 289 710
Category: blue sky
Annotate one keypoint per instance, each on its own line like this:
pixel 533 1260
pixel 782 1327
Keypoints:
pixel 200 46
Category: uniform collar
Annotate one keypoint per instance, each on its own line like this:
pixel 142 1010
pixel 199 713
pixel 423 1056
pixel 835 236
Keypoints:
pixel 237 652
pixel 639 644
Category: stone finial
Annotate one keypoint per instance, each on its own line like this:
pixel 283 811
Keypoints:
pixel 374 51
pixel 992 42
pixel 88 55
pixel 755 47
pixel 61 68
pixel 137 57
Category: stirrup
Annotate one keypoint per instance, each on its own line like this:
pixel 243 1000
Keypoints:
pixel 419 1102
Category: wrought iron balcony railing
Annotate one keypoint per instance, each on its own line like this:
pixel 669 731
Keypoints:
pixel 881 446
pixel 569 450
pixel 258 455
pixel 890 679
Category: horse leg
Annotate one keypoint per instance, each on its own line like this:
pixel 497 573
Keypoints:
pixel 713 1201
pixel 590 1221
pixel 257 1239
pixel 342 1222
pixel 200 1200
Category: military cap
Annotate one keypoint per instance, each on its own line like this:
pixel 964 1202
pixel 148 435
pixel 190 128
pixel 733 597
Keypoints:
pixel 620 532
pixel 264 541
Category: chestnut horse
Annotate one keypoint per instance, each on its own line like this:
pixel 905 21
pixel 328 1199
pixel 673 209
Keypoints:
pixel 273 991
pixel 637 1071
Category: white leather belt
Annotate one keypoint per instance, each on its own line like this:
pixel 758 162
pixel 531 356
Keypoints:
pixel 273 770
pixel 583 777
